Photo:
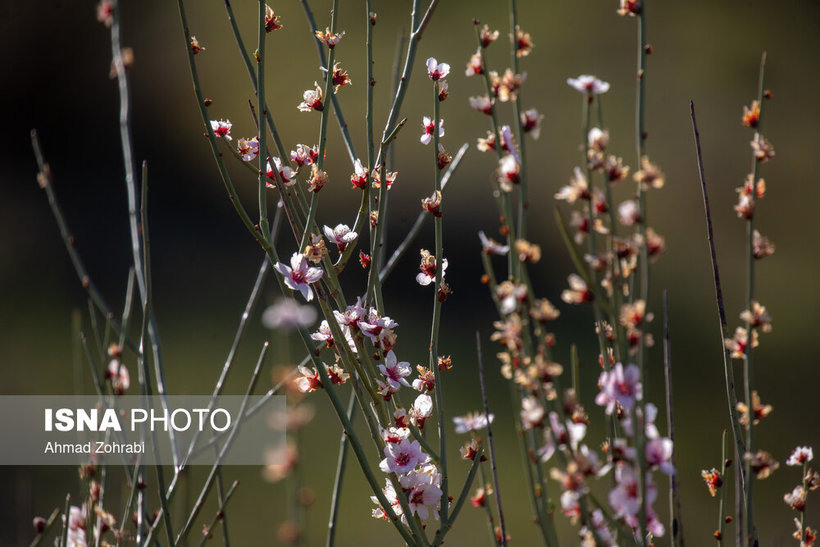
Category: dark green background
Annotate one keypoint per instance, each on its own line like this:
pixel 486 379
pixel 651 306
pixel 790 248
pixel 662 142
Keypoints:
pixel 55 61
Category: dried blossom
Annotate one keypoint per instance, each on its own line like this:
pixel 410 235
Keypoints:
pixel 271 20
pixel 329 38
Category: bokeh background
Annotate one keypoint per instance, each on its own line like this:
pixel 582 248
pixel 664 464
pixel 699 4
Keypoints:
pixel 55 60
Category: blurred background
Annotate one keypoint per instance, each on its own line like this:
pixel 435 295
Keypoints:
pixel 56 58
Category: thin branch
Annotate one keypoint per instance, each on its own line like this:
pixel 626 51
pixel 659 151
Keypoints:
pixel 728 371
pixel 341 463
pixel 46 181
pixel 496 485
pixel 674 493
pixel 219 515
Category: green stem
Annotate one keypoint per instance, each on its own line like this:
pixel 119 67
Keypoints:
pixel 434 332
pixel 337 110
pixel 640 138
pixel 523 201
pixel 314 199
pixel 674 489
pixel 391 151
pixel 45 180
pixel 502 198
pixel 260 96
pixel 748 365
pixel 130 184
pixel 220 514
pixel 493 460
pixel 595 286
pixel 462 497
pixel 336 496
pixel 729 375
pixel 147 335
pixel 371 82
pixel 723 489
pixel 488 510
pixel 803 512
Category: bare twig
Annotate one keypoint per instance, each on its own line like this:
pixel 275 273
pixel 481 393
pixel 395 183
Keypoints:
pixel 219 515
pixel 45 180
pixel 496 486
pixel 674 494
pixel 729 374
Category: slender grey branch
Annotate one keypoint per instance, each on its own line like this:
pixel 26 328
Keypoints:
pixel 674 493
pixel 46 181
pixel 219 515
pixel 729 374
pixel 496 485
pixel 136 246
pixel 148 332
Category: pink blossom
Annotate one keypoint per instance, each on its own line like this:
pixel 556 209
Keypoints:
pixel 299 275
pixel 570 433
pixel 375 326
pixel 428 269
pixel 394 371
pixel 629 213
pixel 800 455
pixel 429 127
pixel 422 409
pixel 312 99
pixel 492 247
pixel 436 70
pixel 285 172
pixel 359 177
pixel 619 385
pixel 222 129
pixel 532 413
pixel 248 148
pixel 423 489
pixel 288 314
pixel 531 122
pixel 482 104
pixel 546 451
pixel 569 503
pixel 394 434
pixel 402 457
pixel 588 84
pixel 119 376
pixel 386 390
pixel 323 334
pixel 472 422
pixel 508 172
pixel 659 455
pixel 341 235
pixel 392 499
pixel 304 155
pixel 351 315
